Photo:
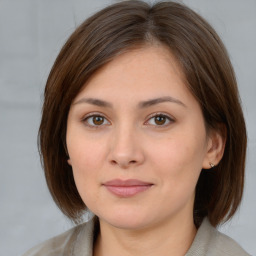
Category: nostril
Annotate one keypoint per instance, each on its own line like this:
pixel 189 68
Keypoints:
pixel 123 163
pixel 113 162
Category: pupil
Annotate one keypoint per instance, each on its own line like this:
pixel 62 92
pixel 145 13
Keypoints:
pixel 98 120
pixel 160 120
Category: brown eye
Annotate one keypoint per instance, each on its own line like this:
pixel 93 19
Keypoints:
pixel 160 120
pixel 95 120
pixel 98 120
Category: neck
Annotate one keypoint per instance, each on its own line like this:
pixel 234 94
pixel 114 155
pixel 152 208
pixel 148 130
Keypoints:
pixel 168 238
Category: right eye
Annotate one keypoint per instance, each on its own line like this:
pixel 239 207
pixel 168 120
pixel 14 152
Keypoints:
pixel 95 121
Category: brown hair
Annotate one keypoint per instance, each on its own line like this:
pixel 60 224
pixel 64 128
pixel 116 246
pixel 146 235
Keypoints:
pixel 210 78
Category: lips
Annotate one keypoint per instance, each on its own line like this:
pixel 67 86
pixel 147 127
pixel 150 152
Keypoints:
pixel 126 188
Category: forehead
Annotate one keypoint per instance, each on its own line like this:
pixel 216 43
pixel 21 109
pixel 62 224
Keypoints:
pixel 143 70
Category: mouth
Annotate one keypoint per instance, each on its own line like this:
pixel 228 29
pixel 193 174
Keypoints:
pixel 126 188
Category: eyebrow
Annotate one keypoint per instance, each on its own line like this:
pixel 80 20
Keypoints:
pixel 143 104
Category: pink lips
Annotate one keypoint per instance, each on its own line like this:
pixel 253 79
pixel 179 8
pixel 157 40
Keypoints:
pixel 126 188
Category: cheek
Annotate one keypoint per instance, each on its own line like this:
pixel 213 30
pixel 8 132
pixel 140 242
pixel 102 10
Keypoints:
pixel 178 160
pixel 179 153
pixel 86 166
pixel 85 150
pixel 87 158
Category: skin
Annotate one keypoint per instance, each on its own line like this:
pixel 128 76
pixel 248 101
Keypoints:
pixel 168 152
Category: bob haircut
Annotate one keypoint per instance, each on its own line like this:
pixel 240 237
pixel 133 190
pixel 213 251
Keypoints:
pixel 128 25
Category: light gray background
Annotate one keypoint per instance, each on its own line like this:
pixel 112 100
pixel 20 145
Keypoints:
pixel 31 34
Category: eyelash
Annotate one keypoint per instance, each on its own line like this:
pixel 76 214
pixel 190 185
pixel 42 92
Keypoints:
pixel 169 118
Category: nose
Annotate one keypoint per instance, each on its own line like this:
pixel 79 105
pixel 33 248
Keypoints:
pixel 126 150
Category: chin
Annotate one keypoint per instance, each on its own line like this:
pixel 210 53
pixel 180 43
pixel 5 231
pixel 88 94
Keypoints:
pixel 132 221
pixel 127 224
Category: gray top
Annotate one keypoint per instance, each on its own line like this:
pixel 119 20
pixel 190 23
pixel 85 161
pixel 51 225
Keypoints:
pixel 78 241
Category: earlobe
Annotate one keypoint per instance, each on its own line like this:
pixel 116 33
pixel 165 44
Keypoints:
pixel 212 165
pixel 215 147
pixel 69 162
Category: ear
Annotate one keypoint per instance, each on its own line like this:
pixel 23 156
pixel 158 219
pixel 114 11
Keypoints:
pixel 66 150
pixel 69 162
pixel 215 147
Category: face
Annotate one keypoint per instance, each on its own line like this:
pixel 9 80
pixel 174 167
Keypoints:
pixel 137 141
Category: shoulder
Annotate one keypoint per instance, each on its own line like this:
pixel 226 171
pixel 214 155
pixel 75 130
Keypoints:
pixel 209 241
pixel 65 243
pixel 228 246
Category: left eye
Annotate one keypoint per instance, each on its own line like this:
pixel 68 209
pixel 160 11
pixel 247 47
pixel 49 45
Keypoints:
pixel 160 120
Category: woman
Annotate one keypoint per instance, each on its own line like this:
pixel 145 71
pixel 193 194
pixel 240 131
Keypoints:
pixel 142 125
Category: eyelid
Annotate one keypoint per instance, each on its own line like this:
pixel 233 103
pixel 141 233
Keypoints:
pixel 93 114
